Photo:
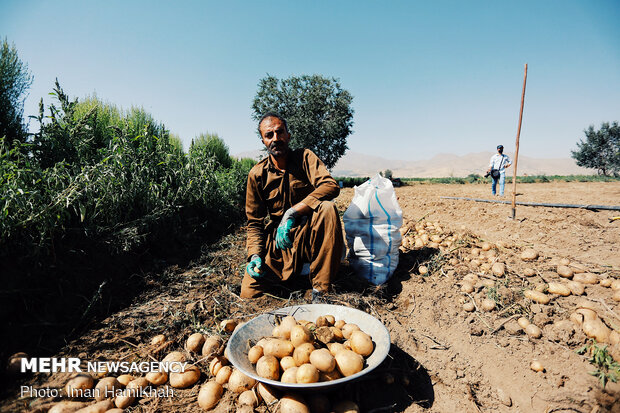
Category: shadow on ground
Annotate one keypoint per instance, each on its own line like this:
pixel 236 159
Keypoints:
pixel 396 384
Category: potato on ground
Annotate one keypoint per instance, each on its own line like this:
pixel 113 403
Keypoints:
pixel 174 356
pixel 239 382
pixel 564 271
pixel 99 407
pixel 249 398
pixel 597 330
pixel 523 322
pixel 67 406
pixel 14 364
pixel 536 296
pixel 586 278
pixel 106 388
pixel 125 400
pixel 576 288
pixel 211 346
pixel 158 340
pixel 157 378
pixel 267 393
pixel 529 254
pixel 533 331
pixel 138 383
pixel 195 342
pixel 76 386
pixel 124 379
pixel 346 406
pixel 182 380
pixel 228 326
pixel 537 366
pixel 498 269
pixel 487 304
pixel 223 375
pixel 216 364
pixel 209 395
pixel 559 289
pixel 293 403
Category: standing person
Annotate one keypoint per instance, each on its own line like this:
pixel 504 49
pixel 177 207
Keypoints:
pixel 497 169
pixel 293 188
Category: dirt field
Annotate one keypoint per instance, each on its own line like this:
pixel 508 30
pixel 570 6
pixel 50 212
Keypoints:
pixel 443 358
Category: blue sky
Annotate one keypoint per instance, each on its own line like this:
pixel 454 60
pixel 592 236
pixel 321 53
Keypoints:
pixel 427 77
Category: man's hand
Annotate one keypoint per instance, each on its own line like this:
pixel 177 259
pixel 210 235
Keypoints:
pixel 283 236
pixel 254 266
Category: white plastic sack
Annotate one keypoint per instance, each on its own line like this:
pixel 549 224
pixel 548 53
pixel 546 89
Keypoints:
pixel 372 224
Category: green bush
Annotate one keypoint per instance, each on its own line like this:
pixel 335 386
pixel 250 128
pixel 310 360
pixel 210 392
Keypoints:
pixel 350 182
pixel 212 145
pixel 111 174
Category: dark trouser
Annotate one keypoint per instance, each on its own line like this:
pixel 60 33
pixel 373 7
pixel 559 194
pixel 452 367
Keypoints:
pixel 318 242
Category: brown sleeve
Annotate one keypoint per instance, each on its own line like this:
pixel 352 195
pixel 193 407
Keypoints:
pixel 325 187
pixel 256 212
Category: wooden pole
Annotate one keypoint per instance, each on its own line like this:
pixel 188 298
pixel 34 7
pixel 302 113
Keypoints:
pixel 514 171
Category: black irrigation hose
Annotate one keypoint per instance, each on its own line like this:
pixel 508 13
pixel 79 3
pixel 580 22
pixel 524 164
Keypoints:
pixel 590 207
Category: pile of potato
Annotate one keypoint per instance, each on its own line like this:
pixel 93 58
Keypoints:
pixel 424 234
pixel 307 352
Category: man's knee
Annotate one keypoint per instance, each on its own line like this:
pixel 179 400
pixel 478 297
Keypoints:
pixel 250 288
pixel 327 210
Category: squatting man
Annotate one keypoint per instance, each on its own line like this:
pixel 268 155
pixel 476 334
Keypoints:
pixel 294 189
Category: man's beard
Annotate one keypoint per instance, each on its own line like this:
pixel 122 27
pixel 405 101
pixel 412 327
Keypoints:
pixel 277 149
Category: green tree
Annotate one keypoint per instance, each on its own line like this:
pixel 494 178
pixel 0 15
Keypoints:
pixel 15 80
pixel 212 145
pixel 317 109
pixel 601 149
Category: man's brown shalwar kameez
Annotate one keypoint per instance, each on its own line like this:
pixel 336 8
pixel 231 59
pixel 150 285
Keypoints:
pixel 318 241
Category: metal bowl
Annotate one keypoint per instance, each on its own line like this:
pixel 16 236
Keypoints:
pixel 261 326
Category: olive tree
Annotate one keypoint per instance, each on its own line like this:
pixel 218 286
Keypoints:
pixel 600 150
pixel 317 109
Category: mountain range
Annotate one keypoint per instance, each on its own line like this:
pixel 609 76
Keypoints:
pixel 355 164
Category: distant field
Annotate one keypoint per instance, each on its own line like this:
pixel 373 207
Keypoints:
pixel 348 182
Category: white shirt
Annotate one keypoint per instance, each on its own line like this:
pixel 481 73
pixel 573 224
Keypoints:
pixel 496 160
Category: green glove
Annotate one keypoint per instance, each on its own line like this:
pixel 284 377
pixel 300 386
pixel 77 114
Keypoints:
pixel 254 266
pixel 283 236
